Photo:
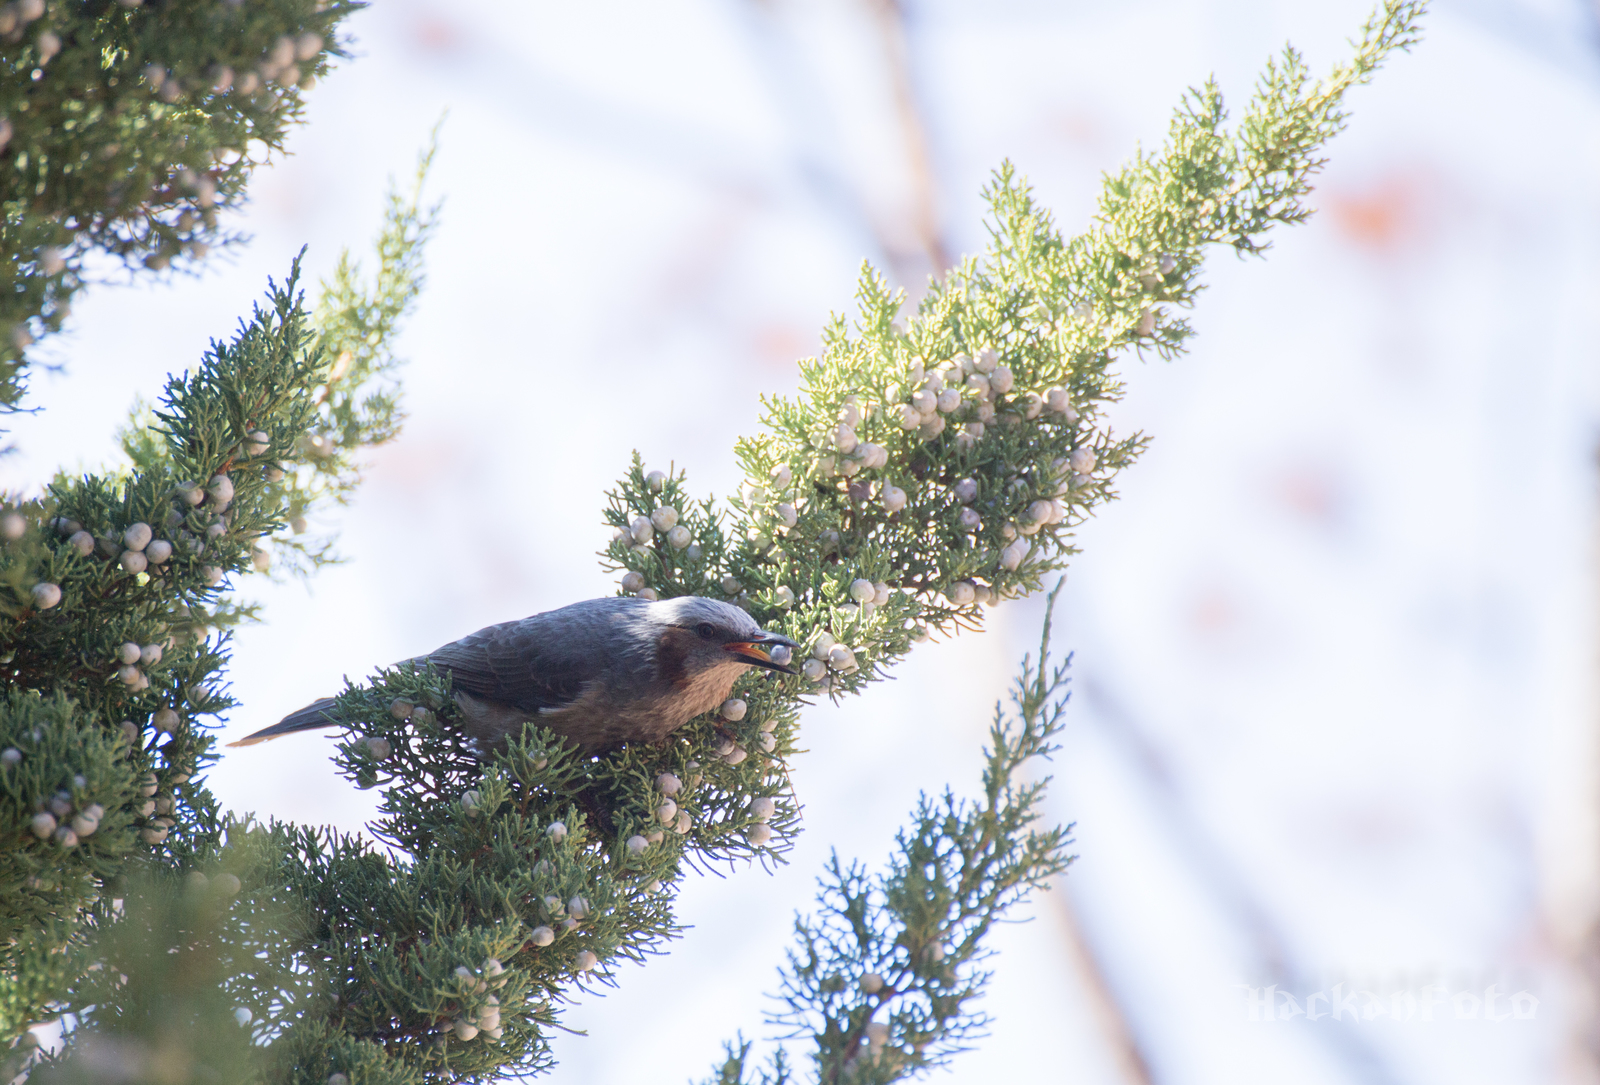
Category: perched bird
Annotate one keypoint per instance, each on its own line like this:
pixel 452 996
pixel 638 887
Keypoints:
pixel 600 673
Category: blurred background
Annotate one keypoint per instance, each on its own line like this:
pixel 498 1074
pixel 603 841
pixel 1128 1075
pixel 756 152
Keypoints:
pixel 1335 721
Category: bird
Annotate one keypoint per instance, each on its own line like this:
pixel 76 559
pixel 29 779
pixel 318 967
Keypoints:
pixel 598 673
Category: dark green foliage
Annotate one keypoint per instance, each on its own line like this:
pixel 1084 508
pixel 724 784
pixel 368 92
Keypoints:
pixel 69 799
pixel 57 760
pixel 113 592
pixel 127 129
pixel 152 980
pixel 138 718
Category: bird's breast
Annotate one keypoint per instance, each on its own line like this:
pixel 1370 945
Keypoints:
pixel 701 691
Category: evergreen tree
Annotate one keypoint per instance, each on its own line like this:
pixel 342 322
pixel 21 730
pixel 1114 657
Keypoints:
pixel 126 129
pixel 933 463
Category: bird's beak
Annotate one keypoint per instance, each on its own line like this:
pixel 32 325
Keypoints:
pixel 768 650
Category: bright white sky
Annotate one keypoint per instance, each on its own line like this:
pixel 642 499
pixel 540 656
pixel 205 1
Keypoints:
pixel 1335 647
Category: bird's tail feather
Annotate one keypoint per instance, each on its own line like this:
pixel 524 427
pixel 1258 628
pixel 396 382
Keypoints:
pixel 309 718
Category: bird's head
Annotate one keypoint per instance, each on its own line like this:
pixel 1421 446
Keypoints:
pixel 706 634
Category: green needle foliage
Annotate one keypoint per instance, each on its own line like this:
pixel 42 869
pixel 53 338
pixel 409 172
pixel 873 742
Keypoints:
pixel 882 980
pixel 125 129
pixel 356 401
pixel 114 598
pixel 934 462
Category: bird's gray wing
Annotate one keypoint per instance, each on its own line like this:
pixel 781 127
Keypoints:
pixel 540 663
pixel 521 665
pixel 526 665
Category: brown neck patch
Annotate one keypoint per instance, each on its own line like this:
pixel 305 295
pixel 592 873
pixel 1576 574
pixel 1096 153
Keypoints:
pixel 672 655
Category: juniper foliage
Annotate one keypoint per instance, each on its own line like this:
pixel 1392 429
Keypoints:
pixel 933 462
pixel 126 129
pixel 882 981
pixel 115 595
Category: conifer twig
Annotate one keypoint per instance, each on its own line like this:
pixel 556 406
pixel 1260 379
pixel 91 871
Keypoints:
pixel 882 978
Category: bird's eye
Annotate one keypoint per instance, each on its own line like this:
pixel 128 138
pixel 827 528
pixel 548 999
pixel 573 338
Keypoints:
pixel 706 630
